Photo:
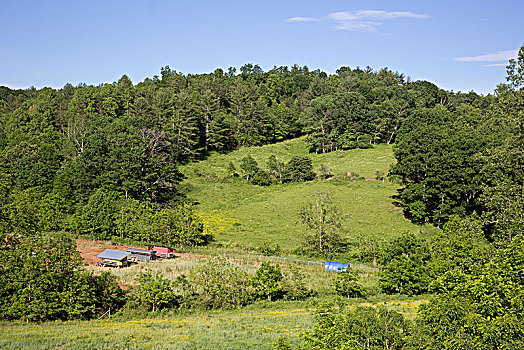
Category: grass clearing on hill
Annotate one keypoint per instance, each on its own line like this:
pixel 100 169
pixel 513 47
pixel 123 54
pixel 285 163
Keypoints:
pixel 237 211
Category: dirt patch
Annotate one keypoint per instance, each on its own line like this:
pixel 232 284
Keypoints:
pixel 89 249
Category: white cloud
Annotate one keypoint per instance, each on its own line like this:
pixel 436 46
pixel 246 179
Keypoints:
pixel 361 20
pixel 496 65
pixel 490 57
pixel 302 19
pixel 375 14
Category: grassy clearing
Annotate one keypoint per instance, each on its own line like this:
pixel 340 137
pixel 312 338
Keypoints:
pixel 248 328
pixel 236 211
pixel 316 278
pixel 254 327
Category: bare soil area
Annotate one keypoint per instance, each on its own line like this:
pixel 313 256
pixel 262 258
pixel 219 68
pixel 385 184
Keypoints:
pixel 89 249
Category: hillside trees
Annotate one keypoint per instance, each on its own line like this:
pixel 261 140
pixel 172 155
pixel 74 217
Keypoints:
pixel 480 309
pixel 436 160
pixel 502 176
pixel 42 279
pixel 130 139
pixel 461 159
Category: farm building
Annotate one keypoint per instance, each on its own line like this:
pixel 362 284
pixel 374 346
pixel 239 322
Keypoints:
pixel 138 255
pixel 113 258
pixel 164 252
pixel 332 266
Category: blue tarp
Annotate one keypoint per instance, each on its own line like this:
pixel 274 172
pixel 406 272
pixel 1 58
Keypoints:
pixel 332 266
pixel 113 254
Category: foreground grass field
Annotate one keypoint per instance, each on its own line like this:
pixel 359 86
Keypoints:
pixel 237 211
pixel 253 327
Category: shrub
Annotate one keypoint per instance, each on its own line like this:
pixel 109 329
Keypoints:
pixel 346 285
pixel 405 266
pixel 154 292
pixel 267 282
pixel 338 327
pixel 299 168
pixel 294 285
pixel 268 249
pixel 220 284
pixel 261 178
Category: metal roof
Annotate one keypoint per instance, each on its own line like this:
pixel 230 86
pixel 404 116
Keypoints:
pixel 137 250
pixel 139 257
pixel 113 254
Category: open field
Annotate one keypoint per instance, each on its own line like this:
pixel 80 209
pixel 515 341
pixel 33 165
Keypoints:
pixel 253 327
pixel 237 211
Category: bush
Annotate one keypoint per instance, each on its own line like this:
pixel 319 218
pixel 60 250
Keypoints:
pixel 346 285
pixel 261 178
pixel 154 292
pixel 294 286
pixel 299 168
pixel 405 266
pixel 267 282
pixel 269 249
pixel 108 294
pixel 338 327
pixel 220 284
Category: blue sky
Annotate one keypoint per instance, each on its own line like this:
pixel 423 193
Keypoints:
pixel 459 45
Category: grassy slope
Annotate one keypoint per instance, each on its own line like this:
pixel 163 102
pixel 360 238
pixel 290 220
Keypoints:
pixel 240 212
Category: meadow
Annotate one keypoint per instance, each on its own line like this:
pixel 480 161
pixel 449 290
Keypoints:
pixel 256 326
pixel 237 211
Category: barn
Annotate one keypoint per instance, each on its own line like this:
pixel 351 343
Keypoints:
pixel 164 252
pixel 113 258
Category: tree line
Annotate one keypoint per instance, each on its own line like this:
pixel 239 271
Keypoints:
pixel 467 160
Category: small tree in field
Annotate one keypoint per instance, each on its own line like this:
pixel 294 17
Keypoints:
pixel 267 282
pixel 324 220
pixel 249 165
pixel 154 292
pixel 299 168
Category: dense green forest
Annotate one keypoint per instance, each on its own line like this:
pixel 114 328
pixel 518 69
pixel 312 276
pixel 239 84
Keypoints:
pixel 106 162
pixel 76 152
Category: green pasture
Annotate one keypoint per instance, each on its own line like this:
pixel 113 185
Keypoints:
pixel 253 327
pixel 237 211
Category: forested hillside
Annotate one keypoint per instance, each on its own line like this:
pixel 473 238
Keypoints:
pixel 156 161
pixel 67 153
